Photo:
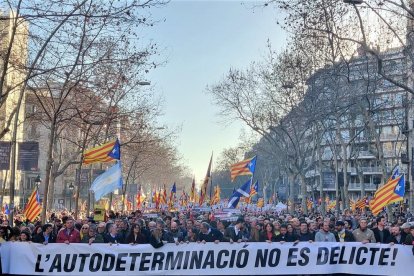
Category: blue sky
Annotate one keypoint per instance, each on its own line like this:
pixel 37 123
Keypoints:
pixel 201 41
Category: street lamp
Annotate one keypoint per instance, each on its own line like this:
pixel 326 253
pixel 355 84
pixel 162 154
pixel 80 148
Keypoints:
pixel 71 187
pixel 37 181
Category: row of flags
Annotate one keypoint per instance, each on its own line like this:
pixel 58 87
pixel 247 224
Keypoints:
pixel 110 180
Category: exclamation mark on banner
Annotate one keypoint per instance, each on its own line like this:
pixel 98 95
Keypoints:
pixel 394 256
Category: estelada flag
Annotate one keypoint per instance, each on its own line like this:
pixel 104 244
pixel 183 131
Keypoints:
pixel 33 207
pixel 245 167
pixel 104 153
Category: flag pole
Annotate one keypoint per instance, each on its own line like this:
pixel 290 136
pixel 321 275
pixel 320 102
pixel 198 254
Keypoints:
pixel 211 177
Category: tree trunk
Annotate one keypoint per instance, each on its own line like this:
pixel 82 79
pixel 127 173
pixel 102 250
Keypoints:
pixel 304 194
pixel 291 192
pixel 78 181
pixel 48 170
pixel 345 199
pixel 3 188
pixel 88 206
pixel 322 208
pixel 361 181
pixel 51 196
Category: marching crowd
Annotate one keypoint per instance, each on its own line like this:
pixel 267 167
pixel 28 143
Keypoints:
pixel 185 227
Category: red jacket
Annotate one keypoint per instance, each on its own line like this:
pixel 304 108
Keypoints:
pixel 73 237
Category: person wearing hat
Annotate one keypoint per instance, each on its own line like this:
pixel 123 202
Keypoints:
pixel 342 234
pixel 235 232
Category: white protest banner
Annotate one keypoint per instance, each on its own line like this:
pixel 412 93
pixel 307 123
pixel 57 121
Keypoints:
pixel 207 259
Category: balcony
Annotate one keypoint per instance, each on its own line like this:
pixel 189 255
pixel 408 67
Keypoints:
pixel 357 187
pixel 365 154
pixel 371 170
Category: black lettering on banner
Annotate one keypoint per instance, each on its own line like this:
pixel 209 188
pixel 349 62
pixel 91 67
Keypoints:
pixel 304 253
pixel 186 258
pixel 383 256
pixel 242 258
pixel 134 257
pixel 358 260
pixel 274 257
pixel 323 255
pixel 144 261
pixel 232 258
pixel 351 257
pixel 374 251
pixel 292 256
pixel 334 255
pixel 341 256
pixel 37 267
pixel 82 263
pixel 220 263
pixel 66 267
pixel 209 260
pixel 108 262
pixel 196 258
pixel 172 263
pixel 95 267
pixel 261 256
pixel 394 256
pixel 120 262
pixel 158 259
pixel 56 264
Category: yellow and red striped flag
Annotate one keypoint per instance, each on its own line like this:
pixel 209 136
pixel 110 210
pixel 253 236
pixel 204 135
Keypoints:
pixel 138 198
pixel 309 204
pixel 360 204
pixel 103 153
pixel 383 196
pixel 192 192
pixel 260 202
pixel 33 207
pixel 245 167
pixel 203 190
pixel 352 204
pixel 216 197
pixel 163 196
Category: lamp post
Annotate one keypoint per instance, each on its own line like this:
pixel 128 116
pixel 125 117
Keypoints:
pixel 37 181
pixel 71 187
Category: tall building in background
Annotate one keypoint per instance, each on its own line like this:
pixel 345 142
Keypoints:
pixel 372 123
pixel 12 32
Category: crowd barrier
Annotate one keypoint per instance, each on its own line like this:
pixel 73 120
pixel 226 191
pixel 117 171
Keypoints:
pixel 206 259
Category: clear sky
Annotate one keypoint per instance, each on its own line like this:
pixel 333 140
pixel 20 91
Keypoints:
pixel 201 41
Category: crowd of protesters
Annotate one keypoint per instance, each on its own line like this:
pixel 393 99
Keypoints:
pixel 185 227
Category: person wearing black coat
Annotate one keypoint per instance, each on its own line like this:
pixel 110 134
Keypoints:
pixel 396 236
pixel 136 236
pixel 304 234
pixel 234 233
pixel 268 234
pixel 284 236
pixel 155 238
pixel 381 234
pixel 209 234
pixel 46 236
pixel 113 236
pixel 341 234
